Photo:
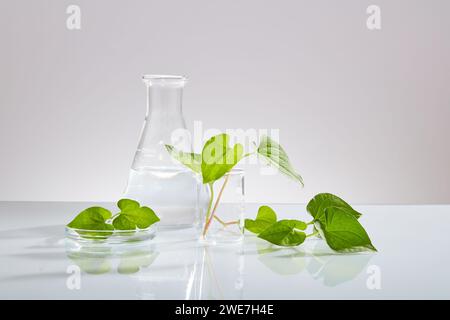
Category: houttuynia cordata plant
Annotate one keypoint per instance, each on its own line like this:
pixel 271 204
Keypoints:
pixel 218 158
pixel 130 217
pixel 333 219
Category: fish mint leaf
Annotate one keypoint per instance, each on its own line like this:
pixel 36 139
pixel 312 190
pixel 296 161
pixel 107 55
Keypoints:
pixel 95 222
pixel 218 157
pixel 141 218
pixel 93 218
pixel 275 155
pixel 264 219
pixel 285 233
pixel 128 204
pixel 191 160
pixel 316 206
pixel 123 223
pixel 342 231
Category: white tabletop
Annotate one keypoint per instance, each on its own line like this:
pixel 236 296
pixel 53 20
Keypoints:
pixel 36 262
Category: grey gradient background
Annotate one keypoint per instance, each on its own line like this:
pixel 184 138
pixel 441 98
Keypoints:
pixel 363 114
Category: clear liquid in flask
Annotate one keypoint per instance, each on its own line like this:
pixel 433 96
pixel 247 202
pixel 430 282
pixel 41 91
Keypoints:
pixel 175 194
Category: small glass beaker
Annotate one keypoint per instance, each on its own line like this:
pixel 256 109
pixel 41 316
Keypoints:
pixel 225 221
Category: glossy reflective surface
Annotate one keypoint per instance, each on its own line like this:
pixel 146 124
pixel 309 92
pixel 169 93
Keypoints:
pixel 36 261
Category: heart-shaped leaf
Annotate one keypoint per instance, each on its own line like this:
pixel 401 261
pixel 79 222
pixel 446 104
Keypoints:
pixel 131 219
pixel 285 233
pixel 317 205
pixel 128 204
pixel 93 218
pixel 342 231
pixel 218 158
pixel 264 219
pixel 277 157
pixel 191 160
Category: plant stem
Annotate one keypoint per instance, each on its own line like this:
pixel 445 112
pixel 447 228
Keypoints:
pixel 220 193
pixel 310 223
pixel 212 213
pixel 209 207
pixel 232 222
pixel 114 216
pixel 312 234
pixel 225 223
pixel 220 220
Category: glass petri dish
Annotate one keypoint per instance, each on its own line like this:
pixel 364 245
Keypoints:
pixel 110 236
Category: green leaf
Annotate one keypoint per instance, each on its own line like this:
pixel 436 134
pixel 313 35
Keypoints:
pixel 141 218
pixel 316 231
pixel 123 223
pixel 316 207
pixel 191 160
pixel 127 204
pixel 218 158
pixel 93 218
pixel 285 233
pixel 264 219
pixel 342 231
pixel 277 157
pixel 99 234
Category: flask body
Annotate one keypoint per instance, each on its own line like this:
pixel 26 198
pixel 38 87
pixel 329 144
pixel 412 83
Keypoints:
pixel 173 191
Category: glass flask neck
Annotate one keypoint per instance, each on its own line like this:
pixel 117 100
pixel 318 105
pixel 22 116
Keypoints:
pixel 164 106
pixel 164 122
pixel 164 101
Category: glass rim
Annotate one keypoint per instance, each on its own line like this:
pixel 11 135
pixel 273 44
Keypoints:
pixel 164 78
pixel 115 231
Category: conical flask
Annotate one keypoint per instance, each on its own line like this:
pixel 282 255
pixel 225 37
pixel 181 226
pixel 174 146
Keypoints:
pixel 156 180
